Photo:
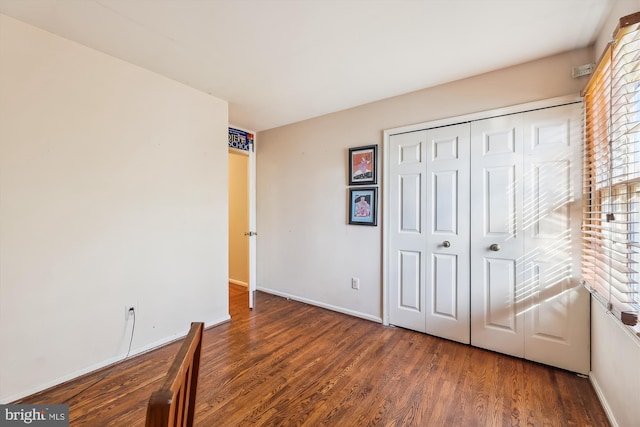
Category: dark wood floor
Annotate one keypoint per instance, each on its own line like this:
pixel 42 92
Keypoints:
pixel 286 363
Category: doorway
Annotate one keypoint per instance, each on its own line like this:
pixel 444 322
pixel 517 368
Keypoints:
pixel 238 218
pixel 242 235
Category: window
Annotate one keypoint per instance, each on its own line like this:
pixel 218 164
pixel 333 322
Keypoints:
pixel 611 225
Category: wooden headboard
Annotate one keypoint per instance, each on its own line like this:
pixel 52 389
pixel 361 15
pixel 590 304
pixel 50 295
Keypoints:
pixel 175 402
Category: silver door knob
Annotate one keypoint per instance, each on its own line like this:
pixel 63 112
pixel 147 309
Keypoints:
pixel 446 244
pixel 495 247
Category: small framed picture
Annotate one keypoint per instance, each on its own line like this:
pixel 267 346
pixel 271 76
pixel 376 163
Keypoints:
pixel 363 164
pixel 363 206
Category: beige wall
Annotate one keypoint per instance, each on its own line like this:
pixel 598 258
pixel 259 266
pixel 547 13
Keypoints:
pixel 113 191
pixel 238 218
pixel 306 249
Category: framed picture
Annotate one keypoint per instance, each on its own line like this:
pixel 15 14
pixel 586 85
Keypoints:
pixel 363 164
pixel 363 206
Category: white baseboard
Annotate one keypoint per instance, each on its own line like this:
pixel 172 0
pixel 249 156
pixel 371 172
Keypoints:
pixel 603 400
pixel 239 282
pixel 323 305
pixel 110 361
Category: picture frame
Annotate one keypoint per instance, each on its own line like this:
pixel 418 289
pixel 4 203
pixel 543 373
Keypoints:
pixel 363 206
pixel 363 165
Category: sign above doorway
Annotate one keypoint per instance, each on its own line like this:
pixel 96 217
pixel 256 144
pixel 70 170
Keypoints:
pixel 240 139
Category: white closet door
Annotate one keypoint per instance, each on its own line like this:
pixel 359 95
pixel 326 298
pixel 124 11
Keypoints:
pixel 447 244
pixel 484 240
pixel 526 299
pixel 557 322
pixel 407 237
pixel 429 244
pixel 497 244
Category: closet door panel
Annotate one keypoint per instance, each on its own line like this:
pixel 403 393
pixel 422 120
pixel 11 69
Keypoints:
pixel 429 236
pixel 447 239
pixel 407 237
pixel 497 245
pixel 557 323
pixel 499 202
pixel 500 299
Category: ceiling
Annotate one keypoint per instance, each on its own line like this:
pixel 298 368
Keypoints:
pixel 282 61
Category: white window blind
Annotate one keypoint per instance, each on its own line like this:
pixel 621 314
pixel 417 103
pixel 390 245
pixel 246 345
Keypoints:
pixel 611 223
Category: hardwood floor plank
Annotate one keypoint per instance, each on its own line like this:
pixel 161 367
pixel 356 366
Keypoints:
pixel 287 363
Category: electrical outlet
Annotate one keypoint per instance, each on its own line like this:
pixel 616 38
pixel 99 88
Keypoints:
pixel 355 283
pixel 127 311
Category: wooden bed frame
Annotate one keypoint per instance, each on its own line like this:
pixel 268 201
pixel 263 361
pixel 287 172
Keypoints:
pixel 175 402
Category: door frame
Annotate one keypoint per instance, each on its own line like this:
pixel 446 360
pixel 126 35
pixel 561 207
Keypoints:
pixel 387 133
pixel 252 211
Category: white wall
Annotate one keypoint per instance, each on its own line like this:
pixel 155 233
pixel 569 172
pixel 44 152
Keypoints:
pixel 306 249
pixel 615 353
pixel 113 190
